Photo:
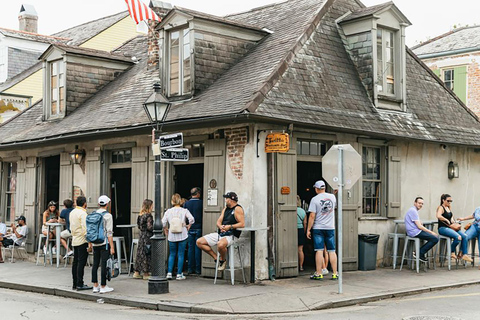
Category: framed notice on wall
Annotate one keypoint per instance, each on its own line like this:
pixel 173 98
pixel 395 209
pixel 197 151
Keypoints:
pixel 212 197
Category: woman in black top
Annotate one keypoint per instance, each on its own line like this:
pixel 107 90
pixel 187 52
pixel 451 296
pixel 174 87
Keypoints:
pixel 445 222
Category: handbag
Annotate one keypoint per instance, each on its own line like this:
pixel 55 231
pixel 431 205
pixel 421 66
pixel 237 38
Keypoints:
pixel 455 226
pixel 148 249
pixel 468 225
pixel 112 270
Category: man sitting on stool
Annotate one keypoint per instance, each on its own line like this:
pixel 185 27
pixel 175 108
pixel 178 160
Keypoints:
pixel 232 218
pixel 19 234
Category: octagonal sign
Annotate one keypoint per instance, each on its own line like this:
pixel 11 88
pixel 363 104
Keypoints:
pixel 352 166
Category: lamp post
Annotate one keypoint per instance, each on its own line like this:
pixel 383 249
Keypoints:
pixel 156 108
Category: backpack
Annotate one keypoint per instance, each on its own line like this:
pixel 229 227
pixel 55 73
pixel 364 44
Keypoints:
pixel 176 224
pixel 112 269
pixel 96 227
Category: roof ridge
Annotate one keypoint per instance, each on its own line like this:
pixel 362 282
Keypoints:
pixel 34 34
pixel 82 24
pixel 443 35
pixel 282 67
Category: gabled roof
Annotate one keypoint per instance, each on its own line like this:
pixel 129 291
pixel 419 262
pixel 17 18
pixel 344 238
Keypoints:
pixel 21 76
pixel 86 52
pixel 83 32
pixel 301 73
pixel 374 10
pixel 32 36
pixel 458 40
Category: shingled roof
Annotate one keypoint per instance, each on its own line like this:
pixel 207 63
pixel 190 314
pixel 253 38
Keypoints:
pixel 301 73
pixel 32 36
pixel 462 39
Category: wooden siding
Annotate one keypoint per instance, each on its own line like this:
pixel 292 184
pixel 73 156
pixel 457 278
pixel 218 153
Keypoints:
pixel 30 86
pixel 30 198
pixel 112 37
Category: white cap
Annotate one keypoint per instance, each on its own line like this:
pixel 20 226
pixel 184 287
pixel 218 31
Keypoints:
pixel 319 184
pixel 103 200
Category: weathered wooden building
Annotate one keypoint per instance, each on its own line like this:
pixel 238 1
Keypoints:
pixel 326 72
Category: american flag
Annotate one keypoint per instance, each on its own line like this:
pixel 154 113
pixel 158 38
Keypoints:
pixel 140 12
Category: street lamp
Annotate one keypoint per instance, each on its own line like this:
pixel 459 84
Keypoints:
pixel 77 155
pixel 156 107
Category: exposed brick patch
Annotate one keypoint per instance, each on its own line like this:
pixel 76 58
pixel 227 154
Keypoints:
pixel 236 142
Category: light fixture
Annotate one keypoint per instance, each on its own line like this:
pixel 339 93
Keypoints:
pixel 77 155
pixel 452 170
pixel 156 106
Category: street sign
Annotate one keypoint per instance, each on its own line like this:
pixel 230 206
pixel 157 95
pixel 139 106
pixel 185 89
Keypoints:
pixel 174 155
pixel 277 142
pixel 171 141
pixel 352 166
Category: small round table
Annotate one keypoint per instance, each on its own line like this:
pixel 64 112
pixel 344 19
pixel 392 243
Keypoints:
pixel 58 229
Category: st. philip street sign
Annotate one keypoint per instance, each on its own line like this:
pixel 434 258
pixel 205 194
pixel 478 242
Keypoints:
pixel 171 141
pixel 174 155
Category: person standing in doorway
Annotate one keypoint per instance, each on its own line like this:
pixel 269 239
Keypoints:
pixel 301 227
pixel 78 227
pixel 415 229
pixel 321 224
pixel 195 206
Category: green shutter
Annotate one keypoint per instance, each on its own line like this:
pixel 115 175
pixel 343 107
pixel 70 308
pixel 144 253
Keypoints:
pixel 460 83
pixel 437 72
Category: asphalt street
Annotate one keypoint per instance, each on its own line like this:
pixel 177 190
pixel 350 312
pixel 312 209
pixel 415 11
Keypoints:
pixel 459 303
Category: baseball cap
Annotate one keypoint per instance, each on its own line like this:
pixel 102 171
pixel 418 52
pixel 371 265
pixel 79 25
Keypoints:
pixel 21 218
pixel 103 200
pixel 231 195
pixel 319 184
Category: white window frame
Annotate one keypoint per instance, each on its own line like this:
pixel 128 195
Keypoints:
pixel 181 53
pixel 60 83
pixel 382 194
pixel 452 79
pixel 383 81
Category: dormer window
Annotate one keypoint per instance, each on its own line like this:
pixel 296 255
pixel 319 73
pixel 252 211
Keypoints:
pixel 180 82
pixel 57 88
pixel 385 62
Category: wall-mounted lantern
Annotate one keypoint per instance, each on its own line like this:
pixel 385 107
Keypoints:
pixel 452 170
pixel 77 155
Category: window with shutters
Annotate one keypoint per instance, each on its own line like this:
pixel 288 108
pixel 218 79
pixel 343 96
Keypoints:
pixel 179 62
pixel 386 62
pixel 9 185
pixel 373 183
pixel 455 79
pixel 55 91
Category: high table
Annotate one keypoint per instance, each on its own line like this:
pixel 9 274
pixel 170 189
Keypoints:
pixel 252 231
pixel 58 229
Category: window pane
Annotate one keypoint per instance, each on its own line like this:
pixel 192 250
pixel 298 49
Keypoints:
pixel 313 148
pixel 305 147
pixel 174 63
pixel 62 99
pixel 54 108
pixel 128 156
pixel 54 69
pixel 299 147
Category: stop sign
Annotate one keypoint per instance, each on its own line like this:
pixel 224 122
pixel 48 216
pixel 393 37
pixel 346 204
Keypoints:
pixel 352 166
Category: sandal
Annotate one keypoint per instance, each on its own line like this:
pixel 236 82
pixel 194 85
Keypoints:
pixel 301 269
pixel 454 256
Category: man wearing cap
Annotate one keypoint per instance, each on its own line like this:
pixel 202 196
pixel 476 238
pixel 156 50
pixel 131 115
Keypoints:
pixel 19 234
pixel 78 228
pixel 101 251
pixel 232 218
pixel 321 225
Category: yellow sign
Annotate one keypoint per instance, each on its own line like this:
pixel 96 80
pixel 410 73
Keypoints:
pixel 285 190
pixel 277 142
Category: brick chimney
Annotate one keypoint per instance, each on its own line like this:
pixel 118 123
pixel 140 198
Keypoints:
pixel 28 19
pixel 161 9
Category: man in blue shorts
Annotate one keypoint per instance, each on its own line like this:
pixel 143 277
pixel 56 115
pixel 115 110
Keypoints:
pixel 321 225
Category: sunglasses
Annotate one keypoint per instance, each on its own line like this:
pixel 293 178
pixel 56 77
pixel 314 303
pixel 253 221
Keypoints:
pixel 449 200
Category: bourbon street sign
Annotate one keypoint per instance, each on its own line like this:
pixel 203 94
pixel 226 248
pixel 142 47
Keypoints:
pixel 174 155
pixel 171 141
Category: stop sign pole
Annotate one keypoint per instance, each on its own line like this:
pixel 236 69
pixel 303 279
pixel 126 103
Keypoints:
pixel 340 219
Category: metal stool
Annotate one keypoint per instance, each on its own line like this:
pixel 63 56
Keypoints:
pixel 71 257
pixel 416 241
pixel 132 260
pixel 445 242
pixel 119 243
pixel 395 237
pixel 49 244
pixel 471 245
pixel 231 262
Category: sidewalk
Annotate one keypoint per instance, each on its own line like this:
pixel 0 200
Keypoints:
pixel 199 295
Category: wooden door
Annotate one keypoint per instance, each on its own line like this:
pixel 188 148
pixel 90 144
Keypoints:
pixel 66 178
pixel 93 173
pixel 214 169
pixel 286 242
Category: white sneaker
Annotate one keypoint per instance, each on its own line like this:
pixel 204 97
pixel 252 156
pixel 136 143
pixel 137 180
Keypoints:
pixel 44 250
pixel 106 289
pixel 169 276
pixel 69 253
pixel 54 250
pixel 324 271
pixel 181 276
pixel 96 289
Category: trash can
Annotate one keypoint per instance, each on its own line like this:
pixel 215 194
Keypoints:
pixel 367 251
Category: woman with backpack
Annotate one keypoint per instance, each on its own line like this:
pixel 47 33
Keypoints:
pixel 177 235
pixel 145 225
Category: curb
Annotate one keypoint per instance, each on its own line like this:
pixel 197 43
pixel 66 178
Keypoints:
pixel 182 307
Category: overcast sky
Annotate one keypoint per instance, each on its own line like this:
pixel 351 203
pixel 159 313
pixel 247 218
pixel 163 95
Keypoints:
pixel 429 17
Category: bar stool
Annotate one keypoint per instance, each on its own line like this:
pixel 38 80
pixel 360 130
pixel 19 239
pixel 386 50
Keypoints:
pixel 49 244
pixel 410 242
pixel 231 261
pixel 471 245
pixel 119 243
pixel 395 237
pixel 445 243
pixel 132 260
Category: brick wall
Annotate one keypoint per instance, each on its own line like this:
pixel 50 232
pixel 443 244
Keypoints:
pixel 236 142
pixel 360 47
pixel 161 9
pixel 214 55
pixel 20 60
pixel 84 81
pixel 473 86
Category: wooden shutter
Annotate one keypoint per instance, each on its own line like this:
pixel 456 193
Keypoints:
pixel 66 177
pixel 214 168
pixel 286 242
pixel 460 82
pixel 151 175
pixel 139 179
pixel 30 199
pixel 437 72
pixel 394 182
pixel 20 188
pixel 93 172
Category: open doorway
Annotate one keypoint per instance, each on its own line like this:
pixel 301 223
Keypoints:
pixel 307 174
pixel 186 177
pixel 120 194
pixel 52 180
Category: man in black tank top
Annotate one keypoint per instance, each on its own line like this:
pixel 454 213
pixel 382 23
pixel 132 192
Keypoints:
pixel 232 218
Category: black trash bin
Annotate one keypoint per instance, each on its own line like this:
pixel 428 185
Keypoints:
pixel 367 251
